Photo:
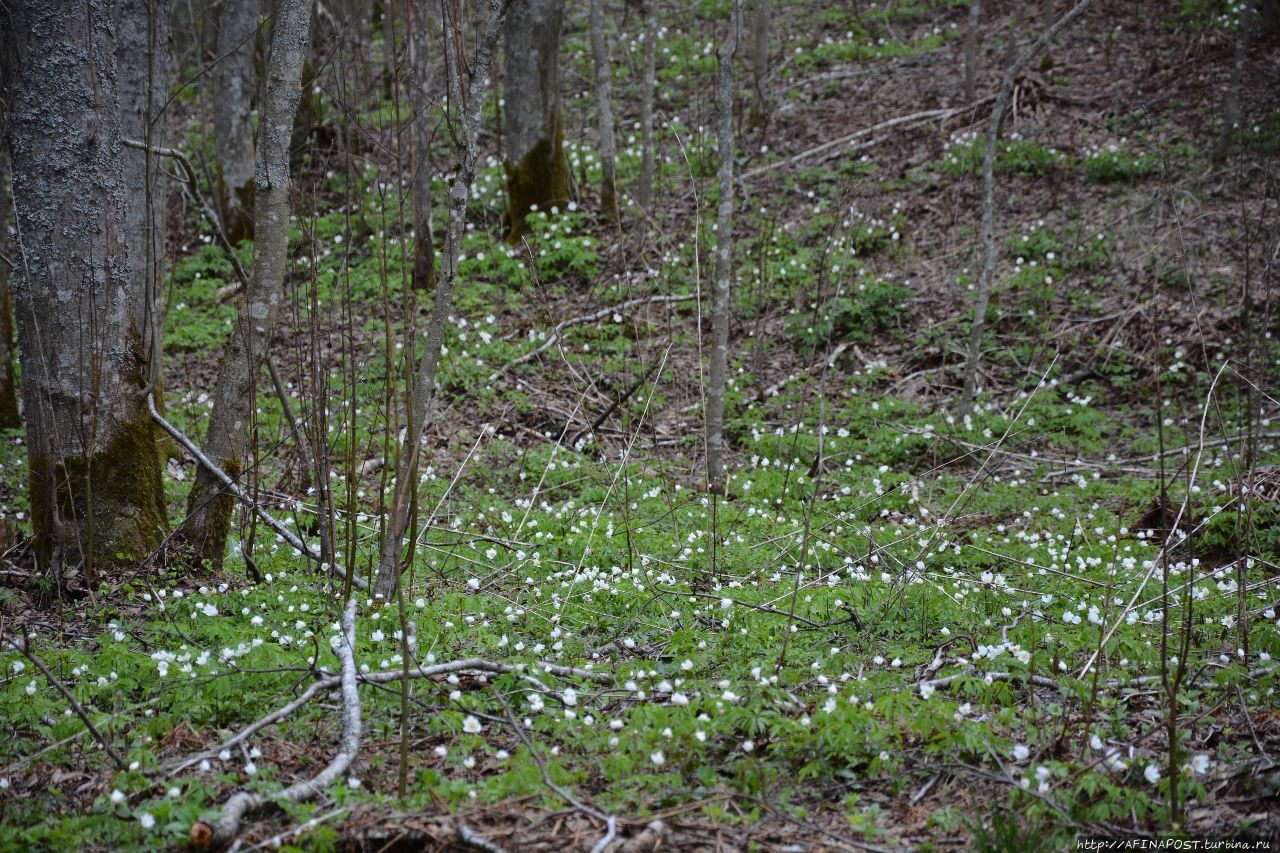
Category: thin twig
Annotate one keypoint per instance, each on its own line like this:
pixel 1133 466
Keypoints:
pixel 24 648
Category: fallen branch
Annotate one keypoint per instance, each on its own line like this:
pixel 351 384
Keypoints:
pixel 24 648
pixel 471 838
pixel 828 363
pixel 328 682
pixel 593 317
pixel 231 486
pixel 831 148
pixel 243 803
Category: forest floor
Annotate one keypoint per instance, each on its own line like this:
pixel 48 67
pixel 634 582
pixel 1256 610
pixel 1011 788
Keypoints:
pixel 902 628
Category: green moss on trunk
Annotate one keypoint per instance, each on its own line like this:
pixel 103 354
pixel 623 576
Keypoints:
pixel 208 526
pixel 110 505
pixel 540 178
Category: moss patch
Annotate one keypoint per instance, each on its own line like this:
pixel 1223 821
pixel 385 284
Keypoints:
pixel 204 534
pixel 110 505
pixel 540 178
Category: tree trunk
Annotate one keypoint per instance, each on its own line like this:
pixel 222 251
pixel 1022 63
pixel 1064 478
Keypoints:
pixel 9 417
pixel 760 26
pixel 1231 105
pixel 233 91
pixel 971 49
pixel 424 378
pixel 95 488
pixel 424 250
pixel 209 505
pixel 644 193
pixel 988 199
pixel 604 105
pixel 142 62
pixel 720 299
pixel 537 170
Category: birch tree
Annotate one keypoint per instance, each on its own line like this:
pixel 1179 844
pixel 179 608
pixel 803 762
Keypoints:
pixel 95 488
pixel 720 297
pixel 209 505
pixel 533 125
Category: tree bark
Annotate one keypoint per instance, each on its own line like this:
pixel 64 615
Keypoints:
pixel 1231 105
pixel 536 167
pixel 209 505
pixel 422 394
pixel 9 417
pixel 988 198
pixel 644 193
pixel 720 300
pixel 971 49
pixel 95 488
pixel 761 22
pixel 142 62
pixel 233 91
pixel 424 250
pixel 604 106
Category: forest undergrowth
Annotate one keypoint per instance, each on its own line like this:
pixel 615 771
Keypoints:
pixel 902 627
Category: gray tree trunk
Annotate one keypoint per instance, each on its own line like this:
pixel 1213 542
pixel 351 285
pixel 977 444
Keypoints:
pixel 1231 105
pixel 536 167
pixel 233 92
pixel 142 62
pixel 988 199
pixel 604 107
pixel 9 417
pixel 424 379
pixel 209 505
pixel 95 488
pixel 424 250
pixel 720 298
pixel 761 23
pixel 971 49
pixel 644 193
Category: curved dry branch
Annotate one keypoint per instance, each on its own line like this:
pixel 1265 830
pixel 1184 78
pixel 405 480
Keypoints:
pixel 243 803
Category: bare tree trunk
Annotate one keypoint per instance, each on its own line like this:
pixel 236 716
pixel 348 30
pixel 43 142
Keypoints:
pixel 644 193
pixel 232 105
pixel 95 488
pixel 1270 11
pixel 142 62
pixel 537 170
pixel 209 505
pixel 971 49
pixel 424 250
pixel 760 25
pixel 988 197
pixel 1231 106
pixel 720 299
pixel 424 379
pixel 388 48
pixel 604 105
pixel 1015 27
pixel 9 417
